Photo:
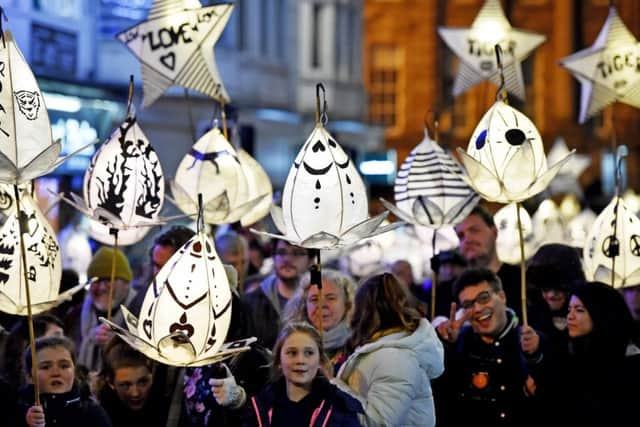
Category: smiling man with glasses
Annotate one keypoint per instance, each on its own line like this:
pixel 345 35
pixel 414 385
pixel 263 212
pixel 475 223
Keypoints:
pixel 491 361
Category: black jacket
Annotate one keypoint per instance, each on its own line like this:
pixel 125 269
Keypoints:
pixel 264 317
pixel 65 409
pixel 325 406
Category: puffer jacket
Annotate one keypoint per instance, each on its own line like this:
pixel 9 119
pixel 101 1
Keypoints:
pixel 391 377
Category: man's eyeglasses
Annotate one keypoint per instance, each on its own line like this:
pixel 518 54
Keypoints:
pixel 482 298
pixel 296 253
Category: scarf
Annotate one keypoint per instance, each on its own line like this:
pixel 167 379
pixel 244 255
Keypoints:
pixel 336 337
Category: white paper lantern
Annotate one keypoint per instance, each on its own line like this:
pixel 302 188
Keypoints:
pixel 123 187
pixel 428 188
pixel 214 169
pixel 508 240
pixel 186 311
pixel 26 147
pixel 175 46
pixel 258 186
pixel 44 267
pixel 622 227
pixel 505 159
pixel 579 228
pixel 548 226
pixel 324 201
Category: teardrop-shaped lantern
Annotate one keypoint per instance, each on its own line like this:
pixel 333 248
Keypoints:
pixel 26 147
pixel 124 186
pixel 44 265
pixel 186 312
pixel 428 188
pixel 613 246
pixel 258 186
pixel 505 159
pixel 213 168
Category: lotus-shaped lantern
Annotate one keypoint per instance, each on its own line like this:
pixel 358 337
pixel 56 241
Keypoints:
pixel 324 201
pixel 613 246
pixel 44 265
pixel 429 190
pixel 505 159
pixel 233 185
pixel 508 240
pixel 186 312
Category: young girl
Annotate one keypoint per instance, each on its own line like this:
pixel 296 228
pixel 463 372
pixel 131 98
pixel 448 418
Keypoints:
pixel 60 400
pixel 299 396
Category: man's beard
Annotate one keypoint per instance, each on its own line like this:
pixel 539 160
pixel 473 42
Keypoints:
pixel 479 261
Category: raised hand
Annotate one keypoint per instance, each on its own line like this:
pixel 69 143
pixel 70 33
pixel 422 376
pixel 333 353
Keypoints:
pixel 449 330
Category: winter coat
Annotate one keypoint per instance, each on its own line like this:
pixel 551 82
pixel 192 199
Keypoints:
pixel 325 406
pixel 265 317
pixel 64 409
pixel 391 377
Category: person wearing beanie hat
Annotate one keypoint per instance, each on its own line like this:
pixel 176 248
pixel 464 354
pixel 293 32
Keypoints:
pixel 94 334
pixel 554 270
pixel 597 384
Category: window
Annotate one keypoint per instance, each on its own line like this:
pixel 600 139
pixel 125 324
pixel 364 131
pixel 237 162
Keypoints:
pixel 316 41
pixel 383 84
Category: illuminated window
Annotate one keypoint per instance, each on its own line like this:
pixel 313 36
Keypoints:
pixel 384 85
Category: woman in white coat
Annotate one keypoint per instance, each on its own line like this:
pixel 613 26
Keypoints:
pixel 396 353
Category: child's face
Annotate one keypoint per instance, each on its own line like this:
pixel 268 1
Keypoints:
pixel 300 359
pixel 55 370
pixel 132 384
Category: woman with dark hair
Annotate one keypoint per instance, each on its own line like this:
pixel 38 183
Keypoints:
pixel 299 395
pixel 396 353
pixel 597 384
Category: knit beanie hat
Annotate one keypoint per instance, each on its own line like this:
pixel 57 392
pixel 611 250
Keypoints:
pixel 100 265
pixel 555 266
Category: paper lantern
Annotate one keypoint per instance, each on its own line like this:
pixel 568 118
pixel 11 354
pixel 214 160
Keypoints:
pixel 27 150
pixel 608 70
pixel 258 186
pixel 428 188
pixel 324 201
pixel 614 244
pixel 175 46
pixel 474 47
pixel 186 311
pixel 508 240
pixel 505 159
pixel 214 169
pixel 548 226
pixel 44 268
pixel 569 207
pixel 566 181
pixel 579 228
pixel 123 187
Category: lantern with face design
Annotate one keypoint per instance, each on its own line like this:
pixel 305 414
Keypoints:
pixel 27 150
pixel 186 312
pixel 508 240
pixel 614 238
pixel 429 190
pixel 324 201
pixel 44 263
pixel 214 169
pixel 505 159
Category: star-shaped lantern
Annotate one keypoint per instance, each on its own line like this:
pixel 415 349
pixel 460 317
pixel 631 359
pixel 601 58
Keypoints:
pixel 233 185
pixel 428 188
pixel 123 187
pixel 175 47
pixel 324 201
pixel 566 181
pixel 608 70
pixel 505 159
pixel 186 312
pixel 43 258
pixel 612 249
pixel 475 48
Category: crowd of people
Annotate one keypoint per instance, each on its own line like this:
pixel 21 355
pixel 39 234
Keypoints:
pixel 344 350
